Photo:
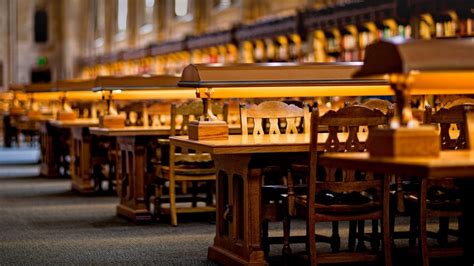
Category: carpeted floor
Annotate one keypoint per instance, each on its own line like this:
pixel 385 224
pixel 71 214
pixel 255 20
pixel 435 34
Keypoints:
pixel 43 222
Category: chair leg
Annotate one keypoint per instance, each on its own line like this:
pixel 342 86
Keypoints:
pixel 461 228
pixel 360 236
pixel 423 245
pixel 157 202
pixel 265 244
pixel 172 192
pixel 286 234
pixel 352 234
pixel 335 238
pixel 413 230
pixel 443 231
pixel 386 236
pixel 194 190
pixel 184 187
pixel 172 188
pixel 210 193
pixel 374 241
pixel 311 244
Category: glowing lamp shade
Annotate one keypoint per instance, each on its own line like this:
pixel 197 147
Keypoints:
pixel 442 64
pixel 78 90
pixel 146 87
pixel 280 80
pixel 42 92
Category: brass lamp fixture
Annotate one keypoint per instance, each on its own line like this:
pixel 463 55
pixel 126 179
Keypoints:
pixel 413 67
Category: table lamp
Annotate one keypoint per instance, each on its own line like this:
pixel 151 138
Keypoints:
pixel 443 66
pixel 217 81
pixel 76 90
pixel 40 92
pixel 136 88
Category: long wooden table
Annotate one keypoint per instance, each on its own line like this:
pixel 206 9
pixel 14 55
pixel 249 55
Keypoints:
pixel 80 152
pixel 449 164
pixel 132 167
pixel 238 163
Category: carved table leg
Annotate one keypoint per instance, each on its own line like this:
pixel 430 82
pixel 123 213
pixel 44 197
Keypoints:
pixel 80 165
pixel 238 218
pixel 133 164
pixel 47 135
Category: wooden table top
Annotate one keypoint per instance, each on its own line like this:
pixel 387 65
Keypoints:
pixel 239 144
pixel 447 164
pixel 131 131
pixel 74 123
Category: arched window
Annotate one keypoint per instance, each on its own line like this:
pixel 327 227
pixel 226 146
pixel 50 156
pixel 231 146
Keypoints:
pixel 222 4
pixel 99 22
pixel 122 13
pixel 181 8
pixel 148 15
pixel 41 26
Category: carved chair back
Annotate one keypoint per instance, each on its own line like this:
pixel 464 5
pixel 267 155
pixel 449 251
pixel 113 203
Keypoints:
pixel 159 114
pixel 351 119
pixel 383 105
pixel 446 118
pixel 274 112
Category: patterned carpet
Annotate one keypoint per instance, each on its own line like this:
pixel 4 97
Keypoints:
pixel 43 222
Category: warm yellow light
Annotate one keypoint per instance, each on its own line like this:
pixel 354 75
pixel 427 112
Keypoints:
pixel 299 91
pixel 21 96
pixel 46 96
pixel 156 94
pixel 82 96
pixel 6 96
pixel 433 83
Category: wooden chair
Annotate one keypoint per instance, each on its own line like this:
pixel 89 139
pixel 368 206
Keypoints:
pixel 273 117
pixel 187 166
pixel 441 197
pixel 334 197
pixel 300 172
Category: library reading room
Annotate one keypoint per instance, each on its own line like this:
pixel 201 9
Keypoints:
pixel 237 132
